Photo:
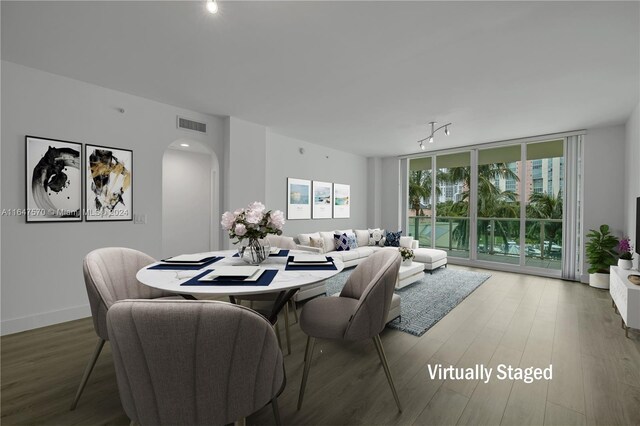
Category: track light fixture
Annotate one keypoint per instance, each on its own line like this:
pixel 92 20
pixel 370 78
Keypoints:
pixel 429 139
pixel 212 6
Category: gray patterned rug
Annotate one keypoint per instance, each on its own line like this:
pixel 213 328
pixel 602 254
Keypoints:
pixel 427 301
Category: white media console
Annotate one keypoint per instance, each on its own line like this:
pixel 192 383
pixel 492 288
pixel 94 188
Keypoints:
pixel 626 297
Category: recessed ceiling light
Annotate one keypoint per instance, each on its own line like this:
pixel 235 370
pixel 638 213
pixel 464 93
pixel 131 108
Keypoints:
pixel 212 6
pixel 186 145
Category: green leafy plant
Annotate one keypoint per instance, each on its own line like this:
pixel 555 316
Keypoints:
pixel 600 250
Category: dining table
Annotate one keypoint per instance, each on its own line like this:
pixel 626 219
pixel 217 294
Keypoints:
pixel 284 278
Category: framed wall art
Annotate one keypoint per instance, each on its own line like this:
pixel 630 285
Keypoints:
pixel 109 183
pixel 322 200
pixel 53 180
pixel 298 198
pixel 341 201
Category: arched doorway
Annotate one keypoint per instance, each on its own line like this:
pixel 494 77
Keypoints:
pixel 190 195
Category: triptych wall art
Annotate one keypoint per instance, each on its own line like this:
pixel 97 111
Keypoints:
pixel 318 200
pixel 55 171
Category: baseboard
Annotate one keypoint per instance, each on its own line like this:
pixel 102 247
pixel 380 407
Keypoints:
pixel 16 325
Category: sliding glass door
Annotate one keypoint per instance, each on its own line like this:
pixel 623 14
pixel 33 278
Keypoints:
pixel 545 167
pixel 513 192
pixel 453 181
pixel 498 204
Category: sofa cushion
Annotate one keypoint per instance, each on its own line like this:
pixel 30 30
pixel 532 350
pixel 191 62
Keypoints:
pixel 376 237
pixel 329 245
pixel 406 242
pixel 304 239
pixel 347 256
pixel 363 252
pixel 426 255
pixel 362 236
pixel 392 239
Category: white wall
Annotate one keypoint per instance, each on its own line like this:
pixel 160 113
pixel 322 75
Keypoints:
pixel 604 197
pixel 632 175
pixel 186 202
pixel 42 263
pixel 391 194
pixel 245 154
pixel 317 163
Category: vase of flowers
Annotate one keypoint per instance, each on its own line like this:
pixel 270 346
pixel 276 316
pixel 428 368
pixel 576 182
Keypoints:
pixel 250 226
pixel 625 253
pixel 407 256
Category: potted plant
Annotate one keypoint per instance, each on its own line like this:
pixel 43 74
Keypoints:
pixel 600 255
pixel 625 249
pixel 407 255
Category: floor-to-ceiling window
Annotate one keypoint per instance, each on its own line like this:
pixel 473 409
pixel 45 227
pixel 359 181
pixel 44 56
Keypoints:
pixel 514 190
pixel 543 235
pixel 498 204
pixel 453 181
pixel 420 200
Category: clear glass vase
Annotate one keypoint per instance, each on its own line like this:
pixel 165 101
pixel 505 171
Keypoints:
pixel 254 251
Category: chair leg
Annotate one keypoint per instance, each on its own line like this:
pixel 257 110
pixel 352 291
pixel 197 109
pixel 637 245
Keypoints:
pixel 276 411
pixel 308 355
pixel 87 372
pixel 286 328
pixel 383 360
pixel 295 311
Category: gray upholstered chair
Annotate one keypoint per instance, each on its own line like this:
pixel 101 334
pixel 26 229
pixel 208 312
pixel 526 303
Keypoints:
pixel 197 362
pixel 110 275
pixel 360 312
pixel 286 243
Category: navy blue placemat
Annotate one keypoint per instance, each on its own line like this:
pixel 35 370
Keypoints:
pixel 282 253
pixel 180 267
pixel 265 279
pixel 303 267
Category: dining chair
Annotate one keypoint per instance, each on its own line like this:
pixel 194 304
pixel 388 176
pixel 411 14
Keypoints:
pixel 360 312
pixel 198 362
pixel 109 276
pixel 285 243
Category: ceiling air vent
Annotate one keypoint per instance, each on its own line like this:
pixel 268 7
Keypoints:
pixel 184 123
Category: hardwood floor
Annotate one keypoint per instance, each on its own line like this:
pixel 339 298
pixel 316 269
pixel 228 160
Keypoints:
pixel 511 319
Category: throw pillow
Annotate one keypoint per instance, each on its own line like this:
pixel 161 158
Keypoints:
pixel 318 243
pixel 329 244
pixel 342 242
pixel 376 237
pixel 362 236
pixel 305 239
pixel 353 241
pixel 392 239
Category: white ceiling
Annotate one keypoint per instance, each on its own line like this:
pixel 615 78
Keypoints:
pixel 363 77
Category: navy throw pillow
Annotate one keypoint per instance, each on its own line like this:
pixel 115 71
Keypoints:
pixel 342 242
pixel 393 239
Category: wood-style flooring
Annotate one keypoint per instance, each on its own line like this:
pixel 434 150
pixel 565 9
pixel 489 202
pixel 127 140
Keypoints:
pixel 511 319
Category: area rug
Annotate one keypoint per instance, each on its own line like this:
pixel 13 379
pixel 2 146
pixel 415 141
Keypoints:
pixel 427 301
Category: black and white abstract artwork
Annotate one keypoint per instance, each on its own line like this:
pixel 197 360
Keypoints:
pixel 53 181
pixel 109 183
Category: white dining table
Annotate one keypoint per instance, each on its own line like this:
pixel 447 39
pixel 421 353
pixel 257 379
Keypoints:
pixel 172 280
pixel 285 283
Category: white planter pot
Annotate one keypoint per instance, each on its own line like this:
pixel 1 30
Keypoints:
pixel 599 280
pixel 625 264
pixel 407 262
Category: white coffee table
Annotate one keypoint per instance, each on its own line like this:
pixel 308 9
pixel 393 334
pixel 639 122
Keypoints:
pixel 410 274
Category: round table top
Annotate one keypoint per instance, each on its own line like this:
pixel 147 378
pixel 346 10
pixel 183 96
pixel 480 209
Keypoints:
pixel 171 280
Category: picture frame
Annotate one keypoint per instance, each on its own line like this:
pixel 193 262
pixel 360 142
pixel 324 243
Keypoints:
pixel 108 183
pixel 298 199
pixel 322 200
pixel 341 201
pixel 53 184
